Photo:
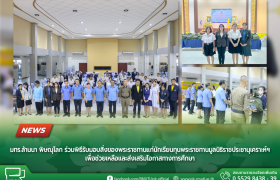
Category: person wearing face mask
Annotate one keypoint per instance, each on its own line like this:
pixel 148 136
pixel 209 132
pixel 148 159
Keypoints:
pixel 240 103
pixel 258 115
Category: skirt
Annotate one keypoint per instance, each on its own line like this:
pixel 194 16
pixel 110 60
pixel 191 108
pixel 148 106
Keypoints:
pixel 88 103
pixel 164 105
pixel 20 104
pixel 208 50
pixel 232 49
pixel 28 102
pixel 245 50
pixel 149 103
pixel 199 105
pixel 48 103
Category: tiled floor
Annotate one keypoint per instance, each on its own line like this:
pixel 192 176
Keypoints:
pixel 192 119
pixel 195 56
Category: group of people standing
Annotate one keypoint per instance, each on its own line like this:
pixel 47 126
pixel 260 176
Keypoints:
pixel 208 99
pixel 130 94
pixel 240 43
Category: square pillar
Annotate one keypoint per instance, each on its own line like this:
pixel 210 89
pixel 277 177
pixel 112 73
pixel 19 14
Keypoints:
pixel 146 70
pixel 203 76
pixel 25 68
pixel 249 80
pixel 155 55
pixel 60 60
pixel 171 55
pixel 230 78
pixel 33 56
pixel 65 62
pixel 49 57
pixel 139 57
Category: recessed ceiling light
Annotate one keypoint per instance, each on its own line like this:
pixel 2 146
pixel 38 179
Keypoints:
pixel 86 29
pixel 150 24
pixel 63 31
pixel 72 37
pixel 120 22
pixel 164 13
pixel 75 10
pixel 141 31
pixel 82 22
pixel 36 14
pixel 133 36
pixel 52 25
pixel 126 10
pixel 114 33
pixel 116 28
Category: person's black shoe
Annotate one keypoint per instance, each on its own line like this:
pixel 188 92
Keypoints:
pixel 114 116
pixel 123 116
pixel 37 114
pixel 170 115
pixel 68 114
pixel 126 116
pixel 190 113
pixel 80 114
pixel 184 110
pixel 138 116
pixel 64 114
pixel 134 116
pixel 97 115
pixel 111 116
pixel 174 117
pixel 41 114
pixel 101 116
pixel 76 114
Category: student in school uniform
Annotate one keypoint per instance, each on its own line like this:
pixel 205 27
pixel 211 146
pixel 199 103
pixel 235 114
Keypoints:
pixel 145 81
pixel 38 97
pixel 221 43
pixel 158 78
pixel 56 98
pixel 173 98
pixel 245 42
pixel 99 97
pixel 155 98
pixel 71 81
pixel 60 79
pixel 208 44
pixel 47 98
pixel 133 74
pixel 54 79
pixel 163 99
pixel 164 80
pixel 234 46
pixel 65 76
pixel 199 101
pixel 147 100
pixel 27 96
pixel 88 93
pixel 137 77
pixel 141 77
pixel 20 100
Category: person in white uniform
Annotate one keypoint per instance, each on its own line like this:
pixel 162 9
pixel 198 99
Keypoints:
pixel 164 80
pixel 141 77
pixel 208 44
pixel 155 98
pixel 145 81
pixel 158 78
pixel 234 46
pixel 71 81
pixel 54 79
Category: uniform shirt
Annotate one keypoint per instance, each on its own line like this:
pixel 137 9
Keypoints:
pixel 214 93
pixel 66 93
pixel 220 104
pixel 77 91
pixel 193 91
pixel 130 84
pixel 88 94
pixel 234 35
pixel 61 78
pixel 85 84
pixel 49 90
pixel 125 91
pixel 164 95
pixel 71 82
pixel 99 93
pixel 206 96
pixel 240 99
pixel 151 77
pixel 38 94
pixel 144 82
pixel 54 80
pixel 106 79
pixel 123 77
pixel 112 93
pixel 158 78
pixel 141 78
pixel 244 32
pixel 208 38
pixel 188 94
pixel 164 80
pixel 137 77
pixel 199 96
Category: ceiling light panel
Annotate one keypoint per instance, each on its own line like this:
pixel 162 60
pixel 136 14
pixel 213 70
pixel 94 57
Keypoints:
pixel 93 12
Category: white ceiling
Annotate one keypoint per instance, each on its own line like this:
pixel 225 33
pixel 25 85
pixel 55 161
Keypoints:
pixel 100 17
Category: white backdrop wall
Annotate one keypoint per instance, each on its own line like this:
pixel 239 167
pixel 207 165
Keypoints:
pixel 75 60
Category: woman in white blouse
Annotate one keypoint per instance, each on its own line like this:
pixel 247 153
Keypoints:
pixel 234 47
pixel 208 44
pixel 71 81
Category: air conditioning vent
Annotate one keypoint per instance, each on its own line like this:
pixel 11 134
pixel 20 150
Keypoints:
pixel 78 53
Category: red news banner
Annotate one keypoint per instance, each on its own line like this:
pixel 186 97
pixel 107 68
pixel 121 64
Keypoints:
pixel 34 130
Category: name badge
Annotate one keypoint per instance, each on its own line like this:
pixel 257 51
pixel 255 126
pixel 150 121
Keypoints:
pixel 164 93
pixel 174 90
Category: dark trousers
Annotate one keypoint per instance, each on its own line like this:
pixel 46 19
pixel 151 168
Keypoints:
pixel 99 107
pixel 192 106
pixel 187 103
pixel 207 111
pixel 39 107
pixel 112 103
pixel 173 108
pixel 60 84
pixel 256 117
pixel 221 54
pixel 78 105
pixel 139 106
pixel 220 118
pixel 66 106
pixel 56 106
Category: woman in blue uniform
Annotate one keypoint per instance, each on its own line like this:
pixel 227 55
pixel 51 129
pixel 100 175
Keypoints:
pixel 258 115
pixel 88 93
pixel 199 101
pixel 147 100
pixel 164 102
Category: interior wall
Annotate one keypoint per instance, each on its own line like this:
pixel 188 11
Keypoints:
pixel 204 8
pixel 256 72
pixel 128 45
pixel 42 38
pixel 261 16
pixel 54 42
pixel 150 42
pixel 102 52
pixel 75 60
pixel 176 33
pixel 265 74
pixel 77 45
pixel 162 37
pixel 21 31
pixel 63 45
pixel 220 69
pixel 240 71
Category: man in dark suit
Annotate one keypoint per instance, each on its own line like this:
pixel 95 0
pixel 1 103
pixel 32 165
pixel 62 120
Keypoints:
pixel 65 76
pixel 133 74
pixel 173 90
pixel 137 97
pixel 245 42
